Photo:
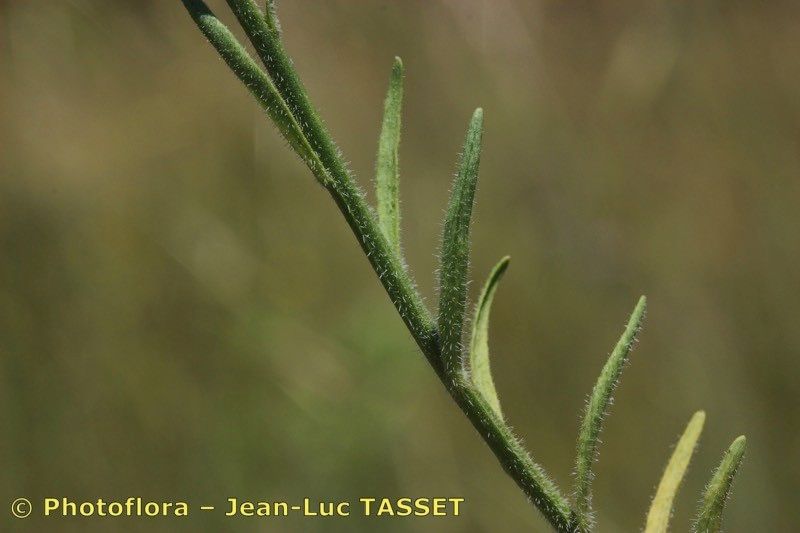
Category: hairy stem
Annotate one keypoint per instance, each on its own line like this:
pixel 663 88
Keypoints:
pixel 287 103
pixel 512 455
pixel 281 93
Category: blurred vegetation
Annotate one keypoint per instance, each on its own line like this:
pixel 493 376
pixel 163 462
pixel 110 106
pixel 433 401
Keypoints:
pixel 184 314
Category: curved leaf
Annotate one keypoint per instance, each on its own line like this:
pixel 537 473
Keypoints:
pixel 661 507
pixel 479 367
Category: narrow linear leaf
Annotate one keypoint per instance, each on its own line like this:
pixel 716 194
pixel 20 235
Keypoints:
pixel 387 171
pixel 255 79
pixel 281 93
pixel 271 17
pixel 709 519
pixel 596 410
pixel 262 29
pixel 661 507
pixel 479 367
pixel 455 249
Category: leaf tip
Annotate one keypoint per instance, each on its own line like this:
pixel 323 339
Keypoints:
pixel 638 315
pixel 719 488
pixel 502 265
pixel 477 117
pixel 736 451
pixel 660 512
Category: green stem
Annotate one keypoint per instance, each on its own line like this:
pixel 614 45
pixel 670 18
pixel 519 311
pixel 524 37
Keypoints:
pixel 529 476
pixel 330 169
pixel 304 130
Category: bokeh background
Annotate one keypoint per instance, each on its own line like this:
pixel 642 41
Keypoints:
pixel 185 315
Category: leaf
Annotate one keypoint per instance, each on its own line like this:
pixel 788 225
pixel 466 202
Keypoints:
pixel 271 17
pixel 709 519
pixel 387 174
pixel 455 249
pixel 661 507
pixel 255 79
pixel 480 370
pixel 596 410
pixel 262 29
pixel 280 91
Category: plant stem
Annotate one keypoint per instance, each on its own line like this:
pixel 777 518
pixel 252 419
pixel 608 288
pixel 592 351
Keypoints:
pixel 336 179
pixel 327 165
pixel 529 476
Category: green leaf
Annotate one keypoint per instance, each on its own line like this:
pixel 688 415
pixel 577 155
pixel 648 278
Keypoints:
pixel 661 507
pixel 480 370
pixel 596 410
pixel 280 91
pixel 709 519
pixel 271 17
pixel 255 79
pixel 387 172
pixel 262 30
pixel 455 249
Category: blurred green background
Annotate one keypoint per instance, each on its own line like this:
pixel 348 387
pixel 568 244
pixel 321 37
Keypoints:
pixel 185 315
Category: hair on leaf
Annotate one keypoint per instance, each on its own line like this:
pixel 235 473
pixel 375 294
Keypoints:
pixel 467 377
